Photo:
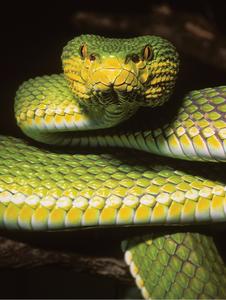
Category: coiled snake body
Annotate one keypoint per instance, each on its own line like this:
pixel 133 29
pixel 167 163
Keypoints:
pixel 105 82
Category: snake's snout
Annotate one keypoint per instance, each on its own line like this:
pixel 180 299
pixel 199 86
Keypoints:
pixel 111 73
pixel 117 79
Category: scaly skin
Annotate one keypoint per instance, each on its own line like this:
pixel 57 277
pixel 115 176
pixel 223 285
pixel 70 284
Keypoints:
pixel 105 81
pixel 42 190
pixel 176 266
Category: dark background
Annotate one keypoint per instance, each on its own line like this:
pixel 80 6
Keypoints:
pixel 33 34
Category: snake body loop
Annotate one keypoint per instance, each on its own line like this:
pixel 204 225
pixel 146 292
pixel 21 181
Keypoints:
pixel 94 103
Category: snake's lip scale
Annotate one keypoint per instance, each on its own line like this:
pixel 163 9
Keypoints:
pixel 46 190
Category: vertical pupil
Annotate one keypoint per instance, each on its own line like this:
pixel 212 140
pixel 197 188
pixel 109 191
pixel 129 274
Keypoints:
pixel 83 51
pixel 147 52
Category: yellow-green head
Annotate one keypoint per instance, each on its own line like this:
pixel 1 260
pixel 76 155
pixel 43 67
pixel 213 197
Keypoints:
pixel 138 71
pixel 111 78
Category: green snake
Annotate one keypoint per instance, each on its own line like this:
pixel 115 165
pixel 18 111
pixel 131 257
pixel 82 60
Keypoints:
pixel 98 101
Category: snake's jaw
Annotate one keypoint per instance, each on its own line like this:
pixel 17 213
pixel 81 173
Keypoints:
pixel 109 85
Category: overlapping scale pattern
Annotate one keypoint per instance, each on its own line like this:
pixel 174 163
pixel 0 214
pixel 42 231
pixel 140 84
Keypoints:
pixel 199 129
pixel 41 190
pixel 176 266
pixel 46 104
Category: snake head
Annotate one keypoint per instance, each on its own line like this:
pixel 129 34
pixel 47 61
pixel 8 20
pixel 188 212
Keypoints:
pixel 120 74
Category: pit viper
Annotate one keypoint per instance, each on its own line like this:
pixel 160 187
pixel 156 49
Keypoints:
pixel 98 101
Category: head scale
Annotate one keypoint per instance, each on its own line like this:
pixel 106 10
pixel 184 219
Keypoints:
pixel 122 73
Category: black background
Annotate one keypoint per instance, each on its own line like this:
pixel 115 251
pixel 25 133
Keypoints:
pixel 31 40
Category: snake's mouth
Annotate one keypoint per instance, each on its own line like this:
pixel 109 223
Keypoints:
pixel 112 86
pixel 119 80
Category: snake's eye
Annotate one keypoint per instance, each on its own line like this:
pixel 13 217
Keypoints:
pixel 147 53
pixel 92 57
pixel 135 58
pixel 83 51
